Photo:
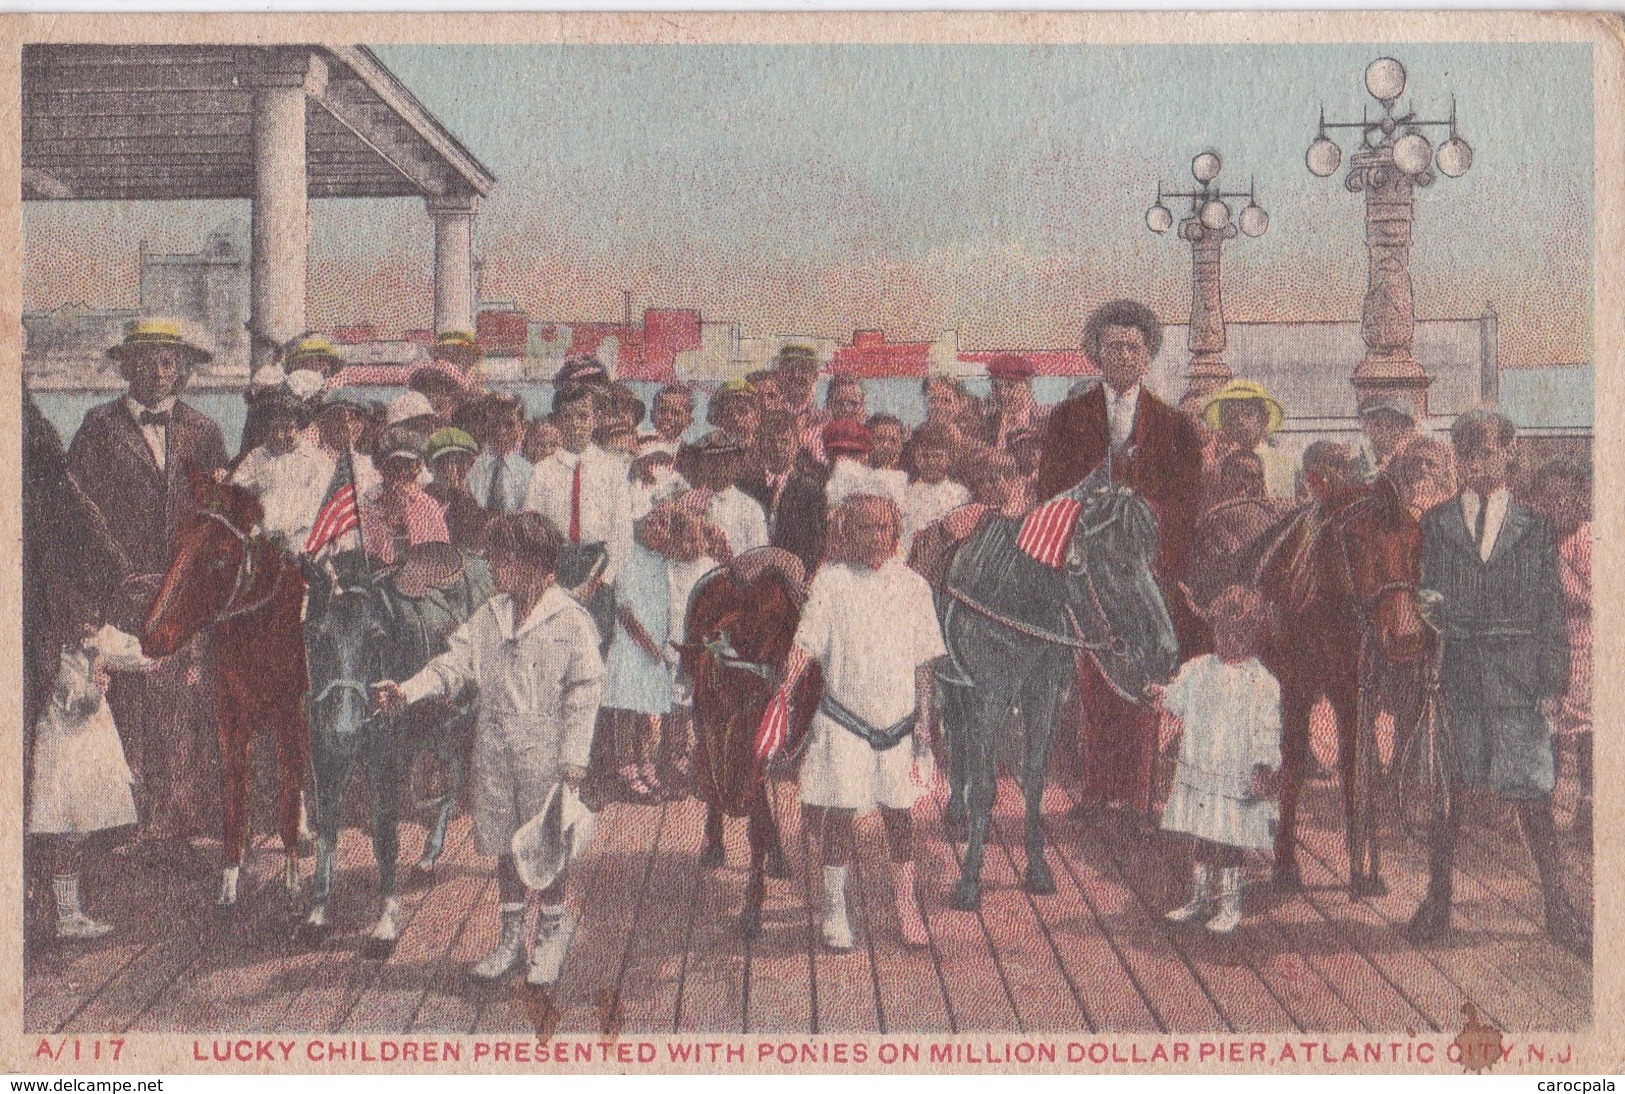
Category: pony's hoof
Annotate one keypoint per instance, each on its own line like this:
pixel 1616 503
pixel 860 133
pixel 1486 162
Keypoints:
pixel 777 865
pixel 967 896
pixel 310 935
pixel 1287 879
pixel 378 949
pixel 711 856
pixel 1039 881
pixel 226 912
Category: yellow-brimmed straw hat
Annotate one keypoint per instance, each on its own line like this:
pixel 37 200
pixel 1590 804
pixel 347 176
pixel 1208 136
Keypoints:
pixel 308 350
pixel 1243 389
pixel 140 334
pixel 456 339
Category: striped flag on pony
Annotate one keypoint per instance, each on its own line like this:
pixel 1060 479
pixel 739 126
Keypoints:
pixel 1047 529
pixel 775 727
pixel 338 516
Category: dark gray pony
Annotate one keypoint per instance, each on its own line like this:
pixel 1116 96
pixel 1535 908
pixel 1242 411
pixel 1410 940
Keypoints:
pixel 359 629
pixel 1014 627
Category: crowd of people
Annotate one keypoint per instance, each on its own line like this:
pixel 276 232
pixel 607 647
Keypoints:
pixel 871 507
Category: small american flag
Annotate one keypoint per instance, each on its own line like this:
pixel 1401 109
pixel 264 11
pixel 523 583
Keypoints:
pixel 1047 529
pixel 337 516
pixel 775 727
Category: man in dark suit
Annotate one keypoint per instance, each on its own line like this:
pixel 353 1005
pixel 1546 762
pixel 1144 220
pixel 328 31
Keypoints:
pixel 1491 567
pixel 132 457
pixel 791 494
pixel 1157 451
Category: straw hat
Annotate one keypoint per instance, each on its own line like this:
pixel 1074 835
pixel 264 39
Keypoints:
pixel 140 334
pixel 1237 390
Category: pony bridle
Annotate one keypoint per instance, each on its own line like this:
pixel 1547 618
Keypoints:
pixel 246 573
pixel 1366 607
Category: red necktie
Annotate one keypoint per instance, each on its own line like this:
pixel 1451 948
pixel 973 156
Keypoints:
pixel 575 505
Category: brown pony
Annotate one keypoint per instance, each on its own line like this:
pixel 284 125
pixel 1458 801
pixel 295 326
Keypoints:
pixel 741 620
pixel 228 577
pixel 1340 575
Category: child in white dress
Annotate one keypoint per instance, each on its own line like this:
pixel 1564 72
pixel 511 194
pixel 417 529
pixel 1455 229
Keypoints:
pixel 931 494
pixel 81 782
pixel 1229 750
pixel 871 626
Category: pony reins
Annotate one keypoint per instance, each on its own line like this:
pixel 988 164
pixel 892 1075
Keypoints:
pixel 247 573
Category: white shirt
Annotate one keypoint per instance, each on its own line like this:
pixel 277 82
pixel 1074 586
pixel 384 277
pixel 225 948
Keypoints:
pixel 1120 410
pixel 1231 717
pixel 290 487
pixel 157 436
pixel 1280 471
pixel 1493 518
pixel 741 519
pixel 540 681
pixel 668 484
pixel 606 502
pixel 869 630
pixel 927 502
pixel 681 577
pixel 851 477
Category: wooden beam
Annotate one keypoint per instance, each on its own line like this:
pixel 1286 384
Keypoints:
pixel 138 78
pixel 221 127
pixel 40 185
pixel 344 101
pixel 87 55
pixel 34 147
pixel 105 102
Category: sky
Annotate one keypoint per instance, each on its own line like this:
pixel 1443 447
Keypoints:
pixel 999 191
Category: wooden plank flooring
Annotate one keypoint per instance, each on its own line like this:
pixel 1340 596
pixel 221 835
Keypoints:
pixel 659 949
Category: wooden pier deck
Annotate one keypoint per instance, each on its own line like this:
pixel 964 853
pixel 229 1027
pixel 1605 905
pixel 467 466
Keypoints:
pixel 659 951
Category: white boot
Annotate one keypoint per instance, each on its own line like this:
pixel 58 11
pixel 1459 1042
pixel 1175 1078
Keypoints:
pixel 555 927
pixel 510 947
pixel 1229 917
pixel 909 921
pixel 1201 902
pixel 71 921
pixel 837 931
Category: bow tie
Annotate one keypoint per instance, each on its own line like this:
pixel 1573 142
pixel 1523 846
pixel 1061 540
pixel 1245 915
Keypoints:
pixel 153 417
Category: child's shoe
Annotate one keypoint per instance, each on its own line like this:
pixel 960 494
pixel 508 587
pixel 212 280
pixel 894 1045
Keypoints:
pixel 1201 902
pixel 1229 917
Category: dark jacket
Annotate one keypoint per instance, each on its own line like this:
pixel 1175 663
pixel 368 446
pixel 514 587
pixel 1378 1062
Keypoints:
pixel 143 506
pixel 1505 643
pixel 1162 462
pixel 796 523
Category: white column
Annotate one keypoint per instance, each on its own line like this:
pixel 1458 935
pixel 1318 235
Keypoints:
pixel 281 220
pixel 454 261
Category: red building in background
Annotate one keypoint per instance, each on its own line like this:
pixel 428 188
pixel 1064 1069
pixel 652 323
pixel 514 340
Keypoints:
pixel 643 351
pixel 870 357
pixel 502 332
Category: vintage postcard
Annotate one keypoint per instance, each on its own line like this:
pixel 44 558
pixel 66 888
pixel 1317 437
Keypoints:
pixel 784 543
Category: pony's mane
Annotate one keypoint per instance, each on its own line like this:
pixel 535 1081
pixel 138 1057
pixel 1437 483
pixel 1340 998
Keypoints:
pixel 785 567
pixel 231 501
pixel 1285 540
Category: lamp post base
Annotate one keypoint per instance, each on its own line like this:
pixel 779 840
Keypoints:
pixel 1399 378
pixel 1207 375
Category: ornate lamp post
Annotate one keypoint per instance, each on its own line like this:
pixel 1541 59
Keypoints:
pixel 1206 228
pixel 1394 158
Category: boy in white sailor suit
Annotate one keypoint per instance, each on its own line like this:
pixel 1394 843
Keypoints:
pixel 532 653
pixel 871 625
